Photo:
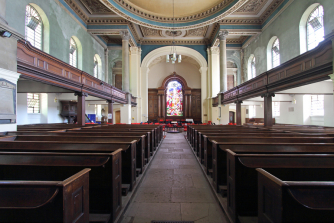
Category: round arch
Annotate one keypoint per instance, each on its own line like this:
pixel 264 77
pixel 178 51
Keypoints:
pixel 249 67
pixel 79 46
pixel 269 54
pixel 302 27
pixel 99 64
pixel 46 27
pixel 162 51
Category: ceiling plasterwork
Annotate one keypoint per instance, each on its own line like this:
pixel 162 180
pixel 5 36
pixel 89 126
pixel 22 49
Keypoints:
pixel 177 42
pixel 200 32
pixel 77 10
pixel 252 7
pixel 153 21
pixel 95 6
pixel 148 32
pixel 173 33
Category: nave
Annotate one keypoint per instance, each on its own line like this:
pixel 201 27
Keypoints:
pixel 174 188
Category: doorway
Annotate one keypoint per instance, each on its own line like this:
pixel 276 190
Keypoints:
pixel 231 117
pixel 117 117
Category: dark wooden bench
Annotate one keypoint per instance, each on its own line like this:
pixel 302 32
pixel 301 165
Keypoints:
pixel 49 198
pixel 242 161
pixel 105 199
pixel 295 195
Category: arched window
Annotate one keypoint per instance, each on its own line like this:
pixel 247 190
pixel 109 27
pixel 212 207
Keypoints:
pixel 275 54
pixel 33 27
pixel 251 67
pixel 315 27
pixel 73 53
pixel 96 67
pixel 174 99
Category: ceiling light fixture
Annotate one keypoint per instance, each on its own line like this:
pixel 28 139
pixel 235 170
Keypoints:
pixel 173 56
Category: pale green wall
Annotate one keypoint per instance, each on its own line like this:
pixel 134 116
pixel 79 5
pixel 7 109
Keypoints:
pixel 286 28
pixel 62 27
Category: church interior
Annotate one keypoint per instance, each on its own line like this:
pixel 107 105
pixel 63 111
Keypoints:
pixel 166 111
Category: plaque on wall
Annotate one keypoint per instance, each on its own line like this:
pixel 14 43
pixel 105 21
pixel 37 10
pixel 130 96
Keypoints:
pixel 8 102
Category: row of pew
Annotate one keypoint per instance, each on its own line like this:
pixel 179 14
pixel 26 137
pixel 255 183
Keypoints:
pixel 279 174
pixel 67 173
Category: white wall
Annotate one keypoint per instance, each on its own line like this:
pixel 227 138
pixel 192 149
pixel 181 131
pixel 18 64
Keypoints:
pixel 160 71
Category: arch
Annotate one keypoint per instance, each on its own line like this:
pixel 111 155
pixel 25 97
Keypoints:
pixel 302 27
pixel 238 74
pixel 163 51
pixel 79 53
pixel 174 77
pixel 249 67
pixel 97 66
pixel 269 52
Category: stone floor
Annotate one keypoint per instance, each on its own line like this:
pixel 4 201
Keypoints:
pixel 174 188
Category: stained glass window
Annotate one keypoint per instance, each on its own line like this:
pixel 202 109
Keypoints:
pixel 174 99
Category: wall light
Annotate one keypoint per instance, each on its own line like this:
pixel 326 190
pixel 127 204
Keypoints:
pixel 5 34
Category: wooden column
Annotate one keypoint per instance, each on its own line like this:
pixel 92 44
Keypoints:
pixel 189 105
pixel 81 110
pixel 185 106
pixel 268 110
pixel 110 111
pixel 238 112
pixel 159 106
pixel 163 106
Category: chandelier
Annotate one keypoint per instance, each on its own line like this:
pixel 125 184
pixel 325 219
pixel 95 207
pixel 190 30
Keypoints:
pixel 173 56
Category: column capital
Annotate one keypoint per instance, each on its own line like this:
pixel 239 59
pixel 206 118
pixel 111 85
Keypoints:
pixel 267 95
pixel 214 50
pixel 82 94
pixel 222 34
pixel 106 51
pixel 134 50
pixel 125 35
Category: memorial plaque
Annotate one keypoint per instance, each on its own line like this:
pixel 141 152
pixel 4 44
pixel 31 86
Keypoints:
pixel 7 102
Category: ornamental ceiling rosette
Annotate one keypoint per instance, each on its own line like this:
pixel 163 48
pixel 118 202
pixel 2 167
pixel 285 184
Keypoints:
pixel 188 14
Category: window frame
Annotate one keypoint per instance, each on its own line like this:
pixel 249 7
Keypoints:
pixel 41 25
pixel 96 67
pixel 75 52
pixel 308 47
pixel 276 108
pixel 33 107
pixel 275 56
pixel 314 102
pixel 253 67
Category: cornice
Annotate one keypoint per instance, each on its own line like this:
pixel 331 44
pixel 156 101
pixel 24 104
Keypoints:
pixel 77 10
pixel 177 42
pixel 95 21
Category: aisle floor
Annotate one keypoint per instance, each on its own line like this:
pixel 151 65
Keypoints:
pixel 174 188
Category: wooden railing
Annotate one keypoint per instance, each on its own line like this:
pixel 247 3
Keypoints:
pixel 37 65
pixel 310 67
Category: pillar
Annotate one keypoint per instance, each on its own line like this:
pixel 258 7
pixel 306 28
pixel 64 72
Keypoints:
pixel 106 67
pixel 242 72
pixel 223 62
pixel 268 110
pixel 238 112
pixel 185 106
pixel 209 87
pixel 215 78
pixel 110 111
pixel 189 105
pixel 159 105
pixel 204 94
pixel 125 61
pixel 81 110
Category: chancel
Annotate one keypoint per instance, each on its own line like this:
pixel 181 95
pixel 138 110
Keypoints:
pixel 166 111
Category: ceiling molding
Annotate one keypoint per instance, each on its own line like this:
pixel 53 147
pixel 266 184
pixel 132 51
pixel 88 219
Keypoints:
pixel 177 42
pixel 251 8
pixel 95 7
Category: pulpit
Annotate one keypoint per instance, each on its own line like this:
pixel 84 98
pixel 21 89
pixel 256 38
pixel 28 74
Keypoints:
pixel 69 110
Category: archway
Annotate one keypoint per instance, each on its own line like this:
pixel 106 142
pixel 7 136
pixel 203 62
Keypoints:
pixel 184 51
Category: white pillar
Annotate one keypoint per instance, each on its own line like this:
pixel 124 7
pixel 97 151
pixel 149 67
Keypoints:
pixel 106 65
pixel 125 61
pixel 223 62
pixel 134 78
pixel 144 93
pixel 215 77
pixel 209 96
pixel 204 101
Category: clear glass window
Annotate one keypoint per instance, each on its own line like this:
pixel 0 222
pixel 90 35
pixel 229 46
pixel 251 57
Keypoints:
pixel 315 28
pixel 73 53
pixel 252 111
pixel 276 109
pixel 275 54
pixel 253 69
pixel 96 67
pixel 33 27
pixel 33 102
pixel 317 105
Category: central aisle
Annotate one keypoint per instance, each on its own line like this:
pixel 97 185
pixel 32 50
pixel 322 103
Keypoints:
pixel 174 188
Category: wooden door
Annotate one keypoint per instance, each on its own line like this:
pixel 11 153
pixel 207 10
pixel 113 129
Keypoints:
pixel 230 82
pixel 117 116
pixel 231 117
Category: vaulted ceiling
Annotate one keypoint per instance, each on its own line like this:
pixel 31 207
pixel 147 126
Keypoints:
pixel 196 22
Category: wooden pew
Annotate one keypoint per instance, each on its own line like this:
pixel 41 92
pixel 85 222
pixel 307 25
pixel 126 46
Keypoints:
pixel 242 160
pixel 45 199
pixel 140 142
pixel 147 136
pixel 105 199
pixel 295 195
pixel 77 146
